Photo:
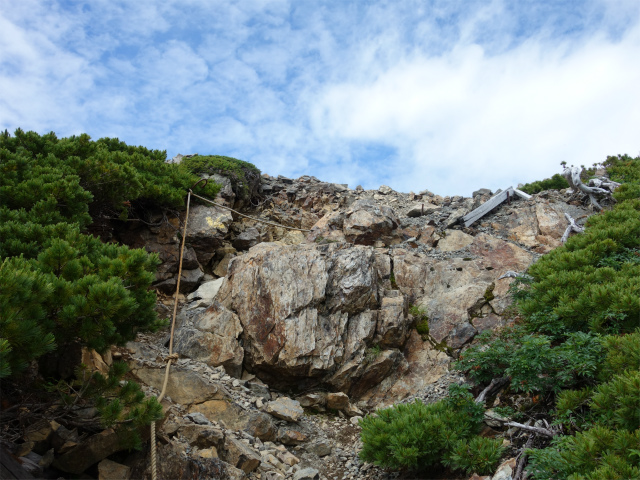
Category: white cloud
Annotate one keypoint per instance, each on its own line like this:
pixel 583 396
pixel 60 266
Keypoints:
pixel 413 94
pixel 494 120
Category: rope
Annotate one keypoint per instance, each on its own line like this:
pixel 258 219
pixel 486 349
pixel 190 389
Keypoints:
pixel 172 356
pixel 252 218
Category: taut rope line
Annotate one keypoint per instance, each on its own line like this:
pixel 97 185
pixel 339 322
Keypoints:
pixel 252 218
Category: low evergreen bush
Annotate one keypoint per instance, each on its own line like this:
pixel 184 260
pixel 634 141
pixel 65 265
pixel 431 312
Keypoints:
pixel 420 437
pixel 241 174
pixel 556 182
pixel 578 341
pixel 60 285
pixel 477 455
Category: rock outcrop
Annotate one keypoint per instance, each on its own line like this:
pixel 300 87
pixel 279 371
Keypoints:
pixel 330 307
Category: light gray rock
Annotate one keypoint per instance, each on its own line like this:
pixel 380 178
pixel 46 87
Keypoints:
pixel 213 338
pixel 207 228
pixel 189 281
pixel 321 448
pixel 206 292
pixel 313 400
pixel 421 209
pixel 307 474
pixel 240 455
pixel 285 408
pixel 198 418
pixel 480 192
pixel 366 222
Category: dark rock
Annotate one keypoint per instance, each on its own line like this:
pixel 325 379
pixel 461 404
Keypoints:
pixel 262 426
pixel 247 239
pixel 480 192
pixel 89 452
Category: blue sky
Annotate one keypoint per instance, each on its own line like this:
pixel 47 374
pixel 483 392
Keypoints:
pixel 443 95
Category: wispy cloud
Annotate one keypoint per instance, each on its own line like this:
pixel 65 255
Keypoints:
pixel 413 94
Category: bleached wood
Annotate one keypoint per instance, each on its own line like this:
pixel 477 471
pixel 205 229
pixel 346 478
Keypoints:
pixel 521 194
pixel 602 182
pixel 509 274
pixel 540 430
pixel 572 175
pixel 494 385
pixel 571 228
pixel 487 206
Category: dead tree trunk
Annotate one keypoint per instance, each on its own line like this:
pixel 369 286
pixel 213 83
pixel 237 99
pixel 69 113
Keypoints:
pixel 572 175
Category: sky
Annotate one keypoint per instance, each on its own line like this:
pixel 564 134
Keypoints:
pixel 444 95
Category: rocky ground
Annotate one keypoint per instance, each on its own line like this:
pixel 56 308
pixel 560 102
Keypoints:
pixel 286 338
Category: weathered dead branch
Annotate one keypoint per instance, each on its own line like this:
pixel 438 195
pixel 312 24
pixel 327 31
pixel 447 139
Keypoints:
pixel 539 430
pixel 495 384
pixel 571 228
pixel 572 175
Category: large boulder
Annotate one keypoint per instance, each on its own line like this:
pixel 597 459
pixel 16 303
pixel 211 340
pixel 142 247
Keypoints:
pixel 213 338
pixel 366 222
pixel 300 311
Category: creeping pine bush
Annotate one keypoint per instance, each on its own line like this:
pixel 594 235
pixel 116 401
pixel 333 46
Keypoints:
pixel 60 286
pixel 418 436
pixel 607 417
pixel 579 341
pixel 239 172
pixel 556 182
pixel 532 362
pixel 121 404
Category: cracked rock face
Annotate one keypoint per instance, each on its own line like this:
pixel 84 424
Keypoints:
pixel 304 312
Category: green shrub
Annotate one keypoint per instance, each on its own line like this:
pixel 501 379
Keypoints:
pixel 556 182
pixel 532 362
pixel 60 285
pixel 372 353
pixel 75 175
pixel 417 436
pixel 608 414
pixel 480 455
pixel 121 404
pixel 241 174
pixel 592 283
pixel 596 454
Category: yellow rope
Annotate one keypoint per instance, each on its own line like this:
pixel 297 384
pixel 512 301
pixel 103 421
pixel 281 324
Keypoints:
pixel 172 356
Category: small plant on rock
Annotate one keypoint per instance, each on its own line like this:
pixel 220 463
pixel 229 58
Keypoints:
pixel 372 353
pixel 421 319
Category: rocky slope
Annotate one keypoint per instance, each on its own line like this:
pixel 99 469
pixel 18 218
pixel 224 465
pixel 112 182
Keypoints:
pixel 286 337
